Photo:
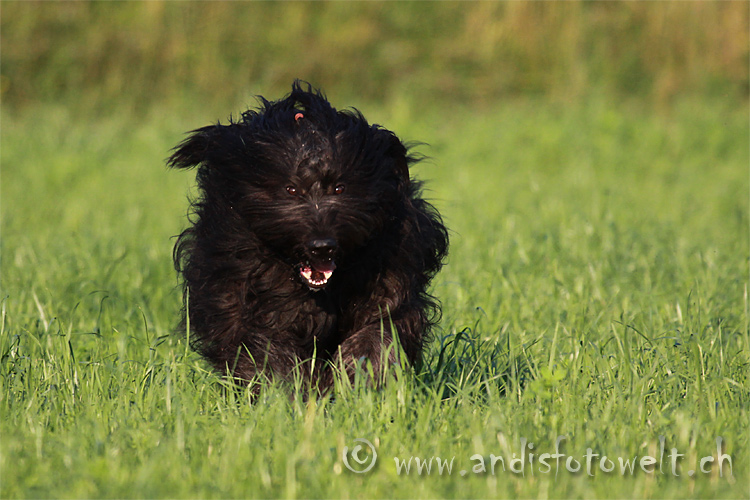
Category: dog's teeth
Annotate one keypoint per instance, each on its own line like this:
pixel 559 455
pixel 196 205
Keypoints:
pixel 315 277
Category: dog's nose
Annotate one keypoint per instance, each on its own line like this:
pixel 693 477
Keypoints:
pixel 322 248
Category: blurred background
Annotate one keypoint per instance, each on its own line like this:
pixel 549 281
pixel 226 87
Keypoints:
pixel 114 56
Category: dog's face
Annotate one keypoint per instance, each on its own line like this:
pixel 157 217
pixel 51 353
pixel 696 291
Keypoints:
pixel 311 184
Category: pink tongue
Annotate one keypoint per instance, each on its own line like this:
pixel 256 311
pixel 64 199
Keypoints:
pixel 325 267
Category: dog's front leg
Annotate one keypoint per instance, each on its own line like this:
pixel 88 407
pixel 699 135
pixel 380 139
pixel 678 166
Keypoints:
pixel 374 344
pixel 370 346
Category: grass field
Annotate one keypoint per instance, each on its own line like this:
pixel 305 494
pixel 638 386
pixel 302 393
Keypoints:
pixel 597 289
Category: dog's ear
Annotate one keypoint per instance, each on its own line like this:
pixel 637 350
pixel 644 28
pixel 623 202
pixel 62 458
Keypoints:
pixel 199 146
pixel 401 159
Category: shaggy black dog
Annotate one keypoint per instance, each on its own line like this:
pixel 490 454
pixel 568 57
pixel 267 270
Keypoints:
pixel 310 244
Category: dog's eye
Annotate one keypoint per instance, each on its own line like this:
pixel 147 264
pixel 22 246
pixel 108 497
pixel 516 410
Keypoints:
pixel 339 189
pixel 291 190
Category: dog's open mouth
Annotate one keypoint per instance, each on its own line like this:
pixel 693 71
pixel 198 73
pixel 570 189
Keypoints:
pixel 316 275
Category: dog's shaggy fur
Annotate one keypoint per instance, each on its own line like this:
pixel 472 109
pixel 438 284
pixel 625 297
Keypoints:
pixel 309 242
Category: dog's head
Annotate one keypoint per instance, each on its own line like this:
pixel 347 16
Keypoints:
pixel 312 184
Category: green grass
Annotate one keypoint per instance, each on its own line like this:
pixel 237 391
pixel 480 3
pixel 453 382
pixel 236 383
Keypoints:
pixel 142 54
pixel 596 289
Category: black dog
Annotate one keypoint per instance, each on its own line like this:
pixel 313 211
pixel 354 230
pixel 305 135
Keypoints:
pixel 310 244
